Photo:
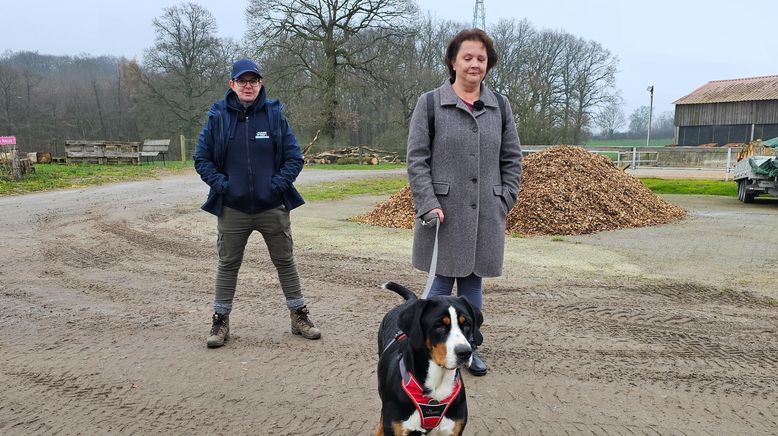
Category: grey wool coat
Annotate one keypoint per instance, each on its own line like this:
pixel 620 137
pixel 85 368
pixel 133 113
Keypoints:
pixel 471 172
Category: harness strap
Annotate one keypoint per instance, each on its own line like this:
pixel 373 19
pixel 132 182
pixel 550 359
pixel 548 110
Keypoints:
pixel 430 410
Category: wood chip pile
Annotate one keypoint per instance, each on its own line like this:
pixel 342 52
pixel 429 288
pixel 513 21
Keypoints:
pixel 396 212
pixel 564 191
pixel 570 191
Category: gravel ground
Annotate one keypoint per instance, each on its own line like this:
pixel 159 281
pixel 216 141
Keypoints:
pixel 106 297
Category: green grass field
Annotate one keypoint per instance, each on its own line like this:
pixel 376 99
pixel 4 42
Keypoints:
pixel 342 189
pixel 383 166
pixel 382 186
pixel 52 177
pixel 698 187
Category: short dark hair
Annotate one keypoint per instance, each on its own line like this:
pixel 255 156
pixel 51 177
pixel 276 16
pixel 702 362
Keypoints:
pixel 470 35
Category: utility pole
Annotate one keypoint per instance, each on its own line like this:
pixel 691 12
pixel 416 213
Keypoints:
pixel 479 15
pixel 650 89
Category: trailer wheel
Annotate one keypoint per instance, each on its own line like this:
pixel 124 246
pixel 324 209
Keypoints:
pixel 742 192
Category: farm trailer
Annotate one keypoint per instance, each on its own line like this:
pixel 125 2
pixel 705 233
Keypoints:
pixel 756 175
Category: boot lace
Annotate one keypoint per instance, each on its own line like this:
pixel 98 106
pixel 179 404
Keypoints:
pixel 302 315
pixel 218 323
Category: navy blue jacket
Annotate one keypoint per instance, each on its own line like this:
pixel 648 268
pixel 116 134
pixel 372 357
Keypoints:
pixel 213 145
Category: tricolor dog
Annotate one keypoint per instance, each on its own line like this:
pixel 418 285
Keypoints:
pixel 422 345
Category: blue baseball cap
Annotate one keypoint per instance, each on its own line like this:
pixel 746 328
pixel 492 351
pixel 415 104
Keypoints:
pixel 242 67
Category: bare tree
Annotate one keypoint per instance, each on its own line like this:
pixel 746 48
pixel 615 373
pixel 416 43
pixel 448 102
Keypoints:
pixel 595 79
pixel 638 121
pixel 664 125
pixel 326 39
pixel 611 117
pixel 513 43
pixel 544 91
pixel 186 65
pixel 8 80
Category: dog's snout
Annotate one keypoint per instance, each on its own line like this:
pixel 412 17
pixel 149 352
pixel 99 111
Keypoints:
pixel 463 352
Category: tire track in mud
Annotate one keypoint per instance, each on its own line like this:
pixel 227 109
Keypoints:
pixel 701 350
pixel 558 352
pixel 99 405
pixel 179 245
pixel 86 402
pixel 534 425
pixel 693 293
pixel 365 274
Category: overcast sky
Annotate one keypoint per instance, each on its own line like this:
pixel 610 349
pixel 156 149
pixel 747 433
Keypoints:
pixel 674 45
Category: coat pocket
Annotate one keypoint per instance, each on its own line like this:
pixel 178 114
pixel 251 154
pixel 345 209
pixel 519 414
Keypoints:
pixel 498 192
pixel 441 188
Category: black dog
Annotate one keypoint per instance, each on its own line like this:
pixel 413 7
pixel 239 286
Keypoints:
pixel 422 345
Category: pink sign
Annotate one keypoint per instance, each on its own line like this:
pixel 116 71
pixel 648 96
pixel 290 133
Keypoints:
pixel 7 140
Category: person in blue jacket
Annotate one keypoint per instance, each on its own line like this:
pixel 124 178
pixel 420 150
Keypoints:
pixel 249 157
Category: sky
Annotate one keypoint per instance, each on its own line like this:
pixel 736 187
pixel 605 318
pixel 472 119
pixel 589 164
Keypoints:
pixel 674 45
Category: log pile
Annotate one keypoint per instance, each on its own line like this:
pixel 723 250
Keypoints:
pixel 14 169
pixel 564 191
pixel 348 155
pixel 754 148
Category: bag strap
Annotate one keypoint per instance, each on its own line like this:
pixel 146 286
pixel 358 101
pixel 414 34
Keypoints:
pixel 431 116
pixel 503 112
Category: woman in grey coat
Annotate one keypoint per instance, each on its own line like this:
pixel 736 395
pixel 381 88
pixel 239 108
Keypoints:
pixel 467 175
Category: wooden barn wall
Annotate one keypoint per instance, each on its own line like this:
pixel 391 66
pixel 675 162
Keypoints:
pixel 717 114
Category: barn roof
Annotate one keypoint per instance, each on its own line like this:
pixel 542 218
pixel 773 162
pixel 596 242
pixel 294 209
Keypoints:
pixel 726 91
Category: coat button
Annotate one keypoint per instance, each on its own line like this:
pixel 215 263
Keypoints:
pixel 474 129
pixel 473 206
pixel 475 180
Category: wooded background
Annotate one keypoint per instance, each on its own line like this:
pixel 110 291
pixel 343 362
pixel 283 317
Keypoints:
pixel 352 70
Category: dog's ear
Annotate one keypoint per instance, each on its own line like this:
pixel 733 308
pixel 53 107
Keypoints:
pixel 478 320
pixel 409 322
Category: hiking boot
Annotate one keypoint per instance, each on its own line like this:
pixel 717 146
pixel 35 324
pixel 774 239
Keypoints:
pixel 302 325
pixel 478 367
pixel 220 330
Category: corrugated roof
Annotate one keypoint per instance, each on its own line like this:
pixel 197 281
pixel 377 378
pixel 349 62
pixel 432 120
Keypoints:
pixel 725 91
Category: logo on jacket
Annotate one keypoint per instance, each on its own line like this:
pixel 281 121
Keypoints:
pixel 261 135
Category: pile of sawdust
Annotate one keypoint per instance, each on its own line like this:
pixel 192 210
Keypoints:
pixel 564 191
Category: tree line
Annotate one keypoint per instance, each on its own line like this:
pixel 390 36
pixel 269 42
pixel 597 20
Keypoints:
pixel 350 70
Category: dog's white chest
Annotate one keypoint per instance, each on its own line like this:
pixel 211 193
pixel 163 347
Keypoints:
pixel 413 423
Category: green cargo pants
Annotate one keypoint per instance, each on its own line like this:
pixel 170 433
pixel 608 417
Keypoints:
pixel 234 228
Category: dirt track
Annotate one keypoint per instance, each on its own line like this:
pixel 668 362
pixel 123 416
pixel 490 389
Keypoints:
pixel 106 298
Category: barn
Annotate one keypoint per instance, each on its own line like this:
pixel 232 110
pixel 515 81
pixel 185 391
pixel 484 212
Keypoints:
pixel 728 111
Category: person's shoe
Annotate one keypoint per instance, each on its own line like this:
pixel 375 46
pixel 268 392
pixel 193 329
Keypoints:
pixel 478 367
pixel 220 330
pixel 302 325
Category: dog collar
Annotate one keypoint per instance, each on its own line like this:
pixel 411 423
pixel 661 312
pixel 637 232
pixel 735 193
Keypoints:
pixel 430 410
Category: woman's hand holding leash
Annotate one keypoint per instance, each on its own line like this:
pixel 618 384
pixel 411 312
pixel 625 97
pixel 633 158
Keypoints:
pixel 433 214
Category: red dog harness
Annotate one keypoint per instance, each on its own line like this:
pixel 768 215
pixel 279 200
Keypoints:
pixel 430 410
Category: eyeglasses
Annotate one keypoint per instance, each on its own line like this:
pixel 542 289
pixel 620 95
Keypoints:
pixel 244 82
